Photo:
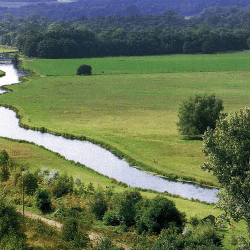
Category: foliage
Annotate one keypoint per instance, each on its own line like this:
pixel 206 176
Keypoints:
pixel 99 204
pixel 73 231
pixel 63 185
pixel 226 149
pixel 157 214
pixel 84 70
pixel 4 173
pixel 43 201
pixel 127 207
pixel 199 113
pixel 106 244
pixel 30 183
pixel 203 237
pixel 10 222
pixel 111 218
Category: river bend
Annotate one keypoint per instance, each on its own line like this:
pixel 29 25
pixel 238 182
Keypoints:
pixel 91 155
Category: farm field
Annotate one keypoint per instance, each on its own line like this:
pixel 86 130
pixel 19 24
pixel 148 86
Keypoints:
pixel 132 111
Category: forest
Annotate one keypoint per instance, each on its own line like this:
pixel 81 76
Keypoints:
pixel 63 11
pixel 215 30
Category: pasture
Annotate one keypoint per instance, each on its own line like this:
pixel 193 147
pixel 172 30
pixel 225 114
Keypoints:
pixel 133 109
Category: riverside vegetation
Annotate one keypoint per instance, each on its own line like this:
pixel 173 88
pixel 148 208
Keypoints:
pixel 131 107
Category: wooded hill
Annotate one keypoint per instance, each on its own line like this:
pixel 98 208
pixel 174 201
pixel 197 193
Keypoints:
pixel 62 11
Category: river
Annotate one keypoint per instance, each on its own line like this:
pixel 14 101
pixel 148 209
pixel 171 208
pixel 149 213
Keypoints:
pixel 91 155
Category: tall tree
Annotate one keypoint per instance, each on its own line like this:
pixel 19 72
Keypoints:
pixel 227 151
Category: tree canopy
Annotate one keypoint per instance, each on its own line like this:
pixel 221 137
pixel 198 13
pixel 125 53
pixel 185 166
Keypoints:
pixel 199 113
pixel 227 152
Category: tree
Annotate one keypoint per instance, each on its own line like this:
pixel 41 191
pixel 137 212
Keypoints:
pixel 30 183
pixel 43 201
pixel 84 70
pixel 227 152
pixel 10 222
pixel 157 214
pixel 199 113
pixel 74 233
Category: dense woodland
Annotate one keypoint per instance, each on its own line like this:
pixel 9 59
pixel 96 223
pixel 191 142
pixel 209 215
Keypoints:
pixel 215 30
pixel 95 8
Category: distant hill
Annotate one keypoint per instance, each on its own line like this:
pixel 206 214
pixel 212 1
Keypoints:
pixel 95 8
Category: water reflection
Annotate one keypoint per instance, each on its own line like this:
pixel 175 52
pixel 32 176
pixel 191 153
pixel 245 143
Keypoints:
pixel 92 155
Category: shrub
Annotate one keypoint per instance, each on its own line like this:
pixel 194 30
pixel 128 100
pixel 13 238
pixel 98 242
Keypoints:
pixel 111 218
pixel 43 201
pixel 73 232
pixel 127 207
pixel 157 214
pixel 10 222
pixel 63 185
pixel 199 113
pixel 84 70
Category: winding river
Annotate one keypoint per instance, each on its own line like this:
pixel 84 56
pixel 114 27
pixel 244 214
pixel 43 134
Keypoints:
pixel 91 155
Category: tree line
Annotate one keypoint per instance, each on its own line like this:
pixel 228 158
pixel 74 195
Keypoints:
pixel 82 42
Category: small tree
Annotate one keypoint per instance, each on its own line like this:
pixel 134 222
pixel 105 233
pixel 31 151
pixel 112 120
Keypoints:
pixel 199 113
pixel 43 201
pixel 84 70
pixel 157 214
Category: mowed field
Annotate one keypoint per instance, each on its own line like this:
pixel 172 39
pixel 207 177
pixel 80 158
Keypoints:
pixel 131 103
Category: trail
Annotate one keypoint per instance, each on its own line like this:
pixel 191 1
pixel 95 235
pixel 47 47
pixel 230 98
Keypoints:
pixel 58 226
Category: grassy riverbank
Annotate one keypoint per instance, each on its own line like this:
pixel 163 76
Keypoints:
pixel 132 111
pixel 37 158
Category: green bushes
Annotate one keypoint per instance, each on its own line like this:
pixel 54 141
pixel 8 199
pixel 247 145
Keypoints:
pixel 73 232
pixel 199 113
pixel 84 70
pixel 43 201
pixel 157 214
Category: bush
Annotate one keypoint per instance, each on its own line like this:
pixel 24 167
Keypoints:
pixel 204 237
pixel 111 218
pixel 157 214
pixel 10 222
pixel 127 207
pixel 73 232
pixel 43 201
pixel 199 113
pixel 84 70
pixel 106 244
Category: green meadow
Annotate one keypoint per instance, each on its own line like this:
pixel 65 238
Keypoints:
pixel 130 104
pixel 130 110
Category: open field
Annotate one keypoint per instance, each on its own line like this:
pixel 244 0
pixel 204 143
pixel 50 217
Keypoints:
pixel 145 64
pixel 6 49
pixel 133 109
pixel 134 113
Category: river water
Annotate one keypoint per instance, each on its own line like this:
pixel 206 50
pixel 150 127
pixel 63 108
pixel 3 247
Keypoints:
pixel 91 155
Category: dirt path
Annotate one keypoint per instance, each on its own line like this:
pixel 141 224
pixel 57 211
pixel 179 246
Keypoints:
pixel 93 236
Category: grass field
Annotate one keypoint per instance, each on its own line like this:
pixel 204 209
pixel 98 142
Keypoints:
pixel 136 112
pixel 132 106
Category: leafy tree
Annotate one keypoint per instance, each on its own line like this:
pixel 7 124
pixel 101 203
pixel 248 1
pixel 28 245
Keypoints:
pixel 43 201
pixel 10 221
pixel 204 237
pixel 199 113
pixel 84 70
pixel 157 214
pixel 127 207
pixel 73 232
pixel 4 173
pixel 30 182
pixel 63 185
pixel 227 152
pixel 99 204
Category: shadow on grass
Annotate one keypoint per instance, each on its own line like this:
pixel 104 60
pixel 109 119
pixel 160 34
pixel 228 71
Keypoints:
pixel 192 137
